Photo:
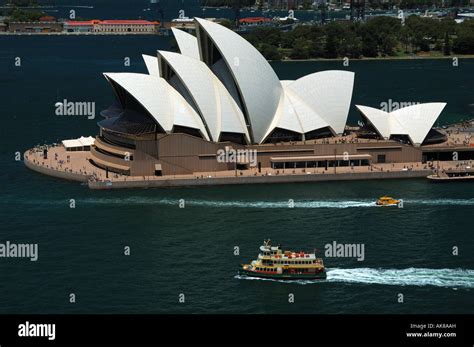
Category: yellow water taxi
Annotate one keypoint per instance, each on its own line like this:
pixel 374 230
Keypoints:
pixel 387 201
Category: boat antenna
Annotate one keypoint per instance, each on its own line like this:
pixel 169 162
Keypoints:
pixel 437 168
pixel 159 9
pixel 237 7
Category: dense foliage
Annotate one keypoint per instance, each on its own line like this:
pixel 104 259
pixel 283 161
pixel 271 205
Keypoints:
pixel 417 4
pixel 378 37
pixel 464 42
pixel 17 14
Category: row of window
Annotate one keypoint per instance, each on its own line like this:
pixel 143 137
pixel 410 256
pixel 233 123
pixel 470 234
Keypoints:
pixel 293 262
pixel 323 164
pixel 290 262
pixel 265 269
pixel 111 30
pixel 270 253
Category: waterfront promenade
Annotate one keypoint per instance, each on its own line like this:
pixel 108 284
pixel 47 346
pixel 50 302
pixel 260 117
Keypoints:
pixel 76 166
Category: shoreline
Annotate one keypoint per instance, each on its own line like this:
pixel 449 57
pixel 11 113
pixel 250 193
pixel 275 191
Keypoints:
pixel 96 179
pixel 247 180
pixel 81 34
pixel 399 58
pixel 192 181
pixel 79 166
pixel 460 56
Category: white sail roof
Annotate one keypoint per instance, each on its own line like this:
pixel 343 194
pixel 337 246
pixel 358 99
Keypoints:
pixel 187 43
pixel 218 109
pixel 256 81
pixel 151 64
pixel 415 121
pixel 308 117
pixel 314 102
pixel 285 117
pixel 419 119
pixel 328 94
pixel 220 84
pixel 162 101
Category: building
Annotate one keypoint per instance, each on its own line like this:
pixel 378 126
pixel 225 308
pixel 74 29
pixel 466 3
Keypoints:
pixel 187 23
pixel 289 4
pixel 219 92
pixel 79 26
pixel 35 27
pixel 219 95
pixel 410 124
pixel 47 19
pixel 255 21
pixel 80 144
pixel 112 26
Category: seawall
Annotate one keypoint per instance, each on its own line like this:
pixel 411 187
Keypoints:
pixel 55 173
pixel 194 182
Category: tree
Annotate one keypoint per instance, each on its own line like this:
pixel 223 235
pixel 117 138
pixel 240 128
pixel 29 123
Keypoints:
pixel 447 45
pixel 464 42
pixel 369 46
pixel 383 32
pixel 423 31
pixel 301 49
pixel 335 32
pixel 20 15
pixel 269 52
pixel 227 23
pixel 405 37
pixel 272 36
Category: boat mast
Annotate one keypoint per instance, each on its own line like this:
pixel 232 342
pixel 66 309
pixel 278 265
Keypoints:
pixel 237 7
pixel 437 168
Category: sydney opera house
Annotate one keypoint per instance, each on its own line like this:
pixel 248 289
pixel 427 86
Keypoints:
pixel 219 93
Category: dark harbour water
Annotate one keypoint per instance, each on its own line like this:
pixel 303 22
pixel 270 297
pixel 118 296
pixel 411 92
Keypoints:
pixel 190 250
